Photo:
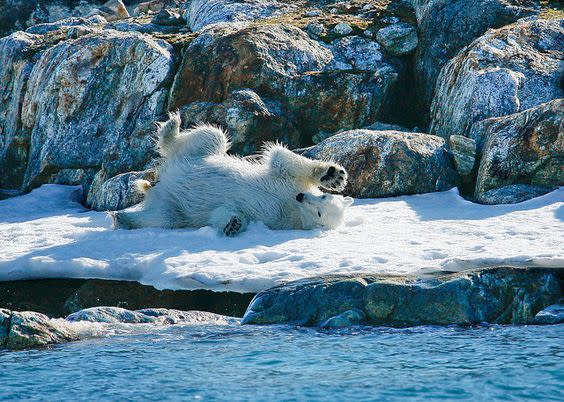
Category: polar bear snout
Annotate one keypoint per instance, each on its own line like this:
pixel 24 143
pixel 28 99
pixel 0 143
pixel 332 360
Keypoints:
pixel 300 197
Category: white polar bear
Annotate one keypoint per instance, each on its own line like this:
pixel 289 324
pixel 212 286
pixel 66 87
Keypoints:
pixel 200 185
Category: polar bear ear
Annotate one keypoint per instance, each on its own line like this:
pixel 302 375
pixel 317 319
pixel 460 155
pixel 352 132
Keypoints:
pixel 347 201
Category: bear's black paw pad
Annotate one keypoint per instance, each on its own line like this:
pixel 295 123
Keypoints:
pixel 233 227
pixel 334 178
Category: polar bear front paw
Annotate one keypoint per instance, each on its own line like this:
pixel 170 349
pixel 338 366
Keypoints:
pixel 334 178
pixel 233 227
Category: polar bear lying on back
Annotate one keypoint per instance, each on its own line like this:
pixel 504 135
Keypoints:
pixel 200 185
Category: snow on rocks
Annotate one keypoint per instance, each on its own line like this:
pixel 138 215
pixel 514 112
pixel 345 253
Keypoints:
pixel 47 234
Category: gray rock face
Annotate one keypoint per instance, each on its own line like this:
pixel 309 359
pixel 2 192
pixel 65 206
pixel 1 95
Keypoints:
pixel 463 150
pixel 388 163
pixel 67 22
pixel 21 14
pixel 91 103
pixel 201 13
pixel 167 18
pixel 118 192
pixel 446 26
pixel 398 39
pixel 503 72
pixel 493 295
pixel 16 62
pixel 306 87
pixel 524 148
pixel 551 315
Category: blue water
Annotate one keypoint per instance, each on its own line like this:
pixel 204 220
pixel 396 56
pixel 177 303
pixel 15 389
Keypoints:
pixel 285 363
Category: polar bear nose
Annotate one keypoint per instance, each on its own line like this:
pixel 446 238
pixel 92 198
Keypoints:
pixel 300 197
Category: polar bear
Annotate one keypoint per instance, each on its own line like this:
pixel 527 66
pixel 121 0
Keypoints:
pixel 201 185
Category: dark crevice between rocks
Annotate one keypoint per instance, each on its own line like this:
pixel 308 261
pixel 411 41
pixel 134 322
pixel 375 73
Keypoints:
pixel 61 297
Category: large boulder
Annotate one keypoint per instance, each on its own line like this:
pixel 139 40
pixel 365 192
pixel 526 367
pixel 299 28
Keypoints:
pixel 389 163
pixel 503 72
pixel 493 295
pixel 315 87
pixel 201 13
pixel 446 26
pixel 91 103
pixel 524 148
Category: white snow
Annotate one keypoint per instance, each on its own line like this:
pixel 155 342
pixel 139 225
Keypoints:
pixel 46 234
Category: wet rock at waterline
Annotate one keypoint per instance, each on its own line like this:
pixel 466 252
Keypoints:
pixel 494 295
pixel 388 163
pixel 27 329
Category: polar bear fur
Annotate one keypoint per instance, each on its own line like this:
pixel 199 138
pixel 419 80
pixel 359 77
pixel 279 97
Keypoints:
pixel 200 185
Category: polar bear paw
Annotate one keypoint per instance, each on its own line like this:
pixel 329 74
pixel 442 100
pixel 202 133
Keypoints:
pixel 233 227
pixel 334 178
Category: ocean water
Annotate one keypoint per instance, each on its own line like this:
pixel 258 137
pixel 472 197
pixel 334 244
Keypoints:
pixel 230 362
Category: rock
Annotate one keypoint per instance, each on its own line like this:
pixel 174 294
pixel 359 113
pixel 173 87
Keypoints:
pixel 379 126
pixel 27 329
pixel 503 72
pixel 154 6
pixel 248 118
pixel 5 318
pixel 342 28
pixel 134 296
pixel 112 10
pixel 492 295
pixel 157 316
pixel 315 29
pixel 346 319
pixel 21 14
pixel 67 22
pixel 306 87
pixel 167 18
pixel 522 148
pixel 388 163
pixel 399 39
pixel 30 330
pixel 16 62
pixel 463 150
pixel 91 103
pixel 118 192
pixel 512 194
pixel 201 13
pixel 60 297
pixel 553 314
pixel 447 26
pixel 110 315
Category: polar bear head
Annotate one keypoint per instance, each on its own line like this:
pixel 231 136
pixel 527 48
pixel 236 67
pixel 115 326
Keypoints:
pixel 323 210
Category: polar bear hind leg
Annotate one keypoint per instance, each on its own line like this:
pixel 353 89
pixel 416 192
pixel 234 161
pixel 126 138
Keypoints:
pixel 202 140
pixel 228 221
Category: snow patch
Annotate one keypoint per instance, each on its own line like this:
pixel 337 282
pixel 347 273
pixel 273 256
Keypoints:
pixel 47 234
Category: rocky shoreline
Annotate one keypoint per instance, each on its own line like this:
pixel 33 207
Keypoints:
pixel 500 295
